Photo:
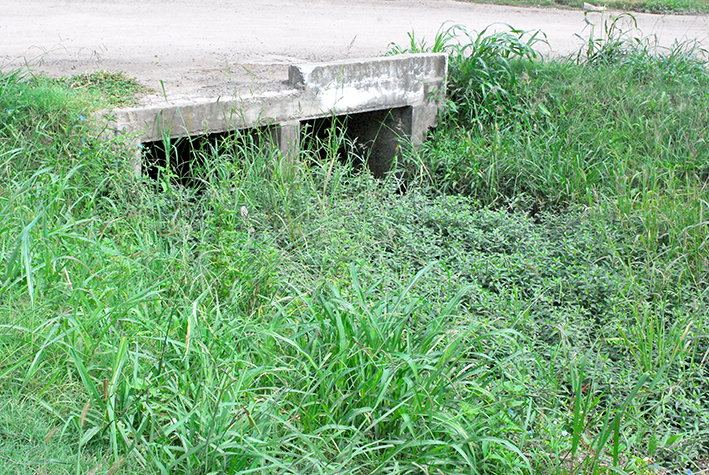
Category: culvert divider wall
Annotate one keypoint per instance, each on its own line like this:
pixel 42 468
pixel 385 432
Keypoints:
pixel 402 94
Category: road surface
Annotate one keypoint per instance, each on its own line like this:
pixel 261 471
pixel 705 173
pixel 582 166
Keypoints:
pixel 201 47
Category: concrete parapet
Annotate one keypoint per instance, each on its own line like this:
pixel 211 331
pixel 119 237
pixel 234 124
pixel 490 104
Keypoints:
pixel 347 87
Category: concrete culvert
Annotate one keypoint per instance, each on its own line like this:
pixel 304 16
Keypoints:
pixel 379 102
pixel 372 139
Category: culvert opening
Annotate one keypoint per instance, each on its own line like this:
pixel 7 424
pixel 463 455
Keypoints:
pixel 186 159
pixel 368 138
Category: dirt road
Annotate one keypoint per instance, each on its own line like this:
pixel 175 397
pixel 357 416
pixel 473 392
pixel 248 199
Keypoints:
pixel 197 46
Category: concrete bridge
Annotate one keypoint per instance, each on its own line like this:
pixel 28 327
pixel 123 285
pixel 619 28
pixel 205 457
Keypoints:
pixel 384 100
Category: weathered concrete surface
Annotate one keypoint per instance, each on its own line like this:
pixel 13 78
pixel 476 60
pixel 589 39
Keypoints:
pixel 203 116
pixel 315 90
pixel 376 83
pixel 352 86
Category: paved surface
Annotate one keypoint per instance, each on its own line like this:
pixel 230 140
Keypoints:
pixel 216 47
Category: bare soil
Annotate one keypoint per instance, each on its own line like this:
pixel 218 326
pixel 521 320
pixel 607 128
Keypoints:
pixel 215 47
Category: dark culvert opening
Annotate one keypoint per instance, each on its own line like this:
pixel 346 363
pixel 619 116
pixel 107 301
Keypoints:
pixel 185 159
pixel 369 138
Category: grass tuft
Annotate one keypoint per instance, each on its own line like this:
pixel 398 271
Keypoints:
pixel 108 89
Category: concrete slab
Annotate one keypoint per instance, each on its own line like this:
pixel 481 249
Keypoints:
pixel 313 90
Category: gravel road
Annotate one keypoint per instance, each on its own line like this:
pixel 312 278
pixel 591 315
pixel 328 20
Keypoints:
pixel 209 47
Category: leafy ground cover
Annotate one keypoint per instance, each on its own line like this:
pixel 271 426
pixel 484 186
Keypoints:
pixel 535 301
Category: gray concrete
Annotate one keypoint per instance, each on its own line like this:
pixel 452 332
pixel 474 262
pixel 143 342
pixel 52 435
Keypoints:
pixel 406 91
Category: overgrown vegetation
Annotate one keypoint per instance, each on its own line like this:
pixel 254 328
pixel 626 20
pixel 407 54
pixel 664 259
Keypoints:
pixel 647 6
pixel 536 302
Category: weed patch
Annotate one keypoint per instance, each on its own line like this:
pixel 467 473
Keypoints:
pixel 108 89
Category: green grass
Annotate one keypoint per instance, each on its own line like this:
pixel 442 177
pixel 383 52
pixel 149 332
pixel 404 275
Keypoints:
pixel 535 302
pixel 678 7
pixel 107 89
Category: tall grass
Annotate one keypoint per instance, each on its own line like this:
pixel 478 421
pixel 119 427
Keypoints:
pixel 157 328
pixel 677 7
pixel 534 303
pixel 619 126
